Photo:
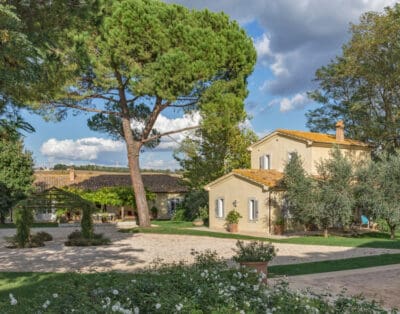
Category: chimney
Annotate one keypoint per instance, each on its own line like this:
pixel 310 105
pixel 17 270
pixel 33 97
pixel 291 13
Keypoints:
pixel 340 131
pixel 72 174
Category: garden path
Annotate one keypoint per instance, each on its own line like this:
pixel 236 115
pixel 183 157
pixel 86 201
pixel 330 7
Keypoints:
pixel 378 283
pixel 131 252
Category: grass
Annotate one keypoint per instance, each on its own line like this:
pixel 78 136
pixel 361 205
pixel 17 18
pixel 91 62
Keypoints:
pixel 35 225
pixel 370 239
pixel 334 265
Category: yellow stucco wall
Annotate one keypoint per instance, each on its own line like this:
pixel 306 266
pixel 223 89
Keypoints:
pixel 233 188
pixel 318 153
pixel 279 147
pixel 161 202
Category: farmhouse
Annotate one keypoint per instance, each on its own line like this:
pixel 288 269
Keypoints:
pixel 169 189
pixel 256 193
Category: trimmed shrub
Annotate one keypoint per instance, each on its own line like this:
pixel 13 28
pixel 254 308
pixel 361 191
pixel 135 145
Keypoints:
pixel 23 220
pixel 44 236
pixel 87 223
pixel 76 238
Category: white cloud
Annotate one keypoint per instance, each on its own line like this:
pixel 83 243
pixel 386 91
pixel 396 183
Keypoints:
pixel 299 36
pixel 164 124
pixel 85 149
pixel 298 101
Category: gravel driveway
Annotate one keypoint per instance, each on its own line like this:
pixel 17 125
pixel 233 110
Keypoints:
pixel 135 251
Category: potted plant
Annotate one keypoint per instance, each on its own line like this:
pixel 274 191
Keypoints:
pixel 255 254
pixel 232 220
pixel 279 226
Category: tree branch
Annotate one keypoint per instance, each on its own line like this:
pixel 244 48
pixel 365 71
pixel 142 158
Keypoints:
pixel 158 107
pixel 169 133
pixel 77 107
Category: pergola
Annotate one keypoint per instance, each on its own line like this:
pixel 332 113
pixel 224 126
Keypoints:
pixel 54 199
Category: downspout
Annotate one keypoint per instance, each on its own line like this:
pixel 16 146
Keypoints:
pixel 269 212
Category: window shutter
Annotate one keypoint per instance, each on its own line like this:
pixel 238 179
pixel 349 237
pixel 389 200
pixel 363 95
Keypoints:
pixel 268 161
pixel 255 209
pixel 216 207
pixel 262 166
pixel 222 207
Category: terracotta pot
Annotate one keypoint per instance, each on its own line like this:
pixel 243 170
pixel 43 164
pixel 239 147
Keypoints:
pixel 198 223
pixel 278 229
pixel 233 227
pixel 261 267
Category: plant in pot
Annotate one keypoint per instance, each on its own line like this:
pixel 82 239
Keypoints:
pixel 232 220
pixel 279 226
pixel 255 254
pixel 201 216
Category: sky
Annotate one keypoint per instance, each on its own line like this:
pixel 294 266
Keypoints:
pixel 292 38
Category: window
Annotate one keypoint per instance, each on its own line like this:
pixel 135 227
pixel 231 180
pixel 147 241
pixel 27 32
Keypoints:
pixel 172 205
pixel 265 162
pixel 219 207
pixel 253 209
pixel 290 155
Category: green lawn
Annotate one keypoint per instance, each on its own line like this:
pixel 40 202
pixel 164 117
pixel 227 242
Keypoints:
pixel 35 225
pixel 371 239
pixel 335 265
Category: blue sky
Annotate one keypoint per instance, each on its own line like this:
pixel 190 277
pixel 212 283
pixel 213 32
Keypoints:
pixel 292 38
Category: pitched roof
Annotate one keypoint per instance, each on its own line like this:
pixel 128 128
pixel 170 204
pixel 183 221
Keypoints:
pixel 94 180
pixel 270 178
pixel 320 137
pixel 313 137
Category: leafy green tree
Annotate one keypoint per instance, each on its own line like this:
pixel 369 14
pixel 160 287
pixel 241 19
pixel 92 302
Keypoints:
pixel 214 152
pixel 333 200
pixel 298 190
pixel 361 86
pixel 16 174
pixel 138 58
pixel 378 189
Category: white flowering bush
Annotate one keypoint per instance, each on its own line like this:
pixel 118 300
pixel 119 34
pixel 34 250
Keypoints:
pixel 254 251
pixel 207 286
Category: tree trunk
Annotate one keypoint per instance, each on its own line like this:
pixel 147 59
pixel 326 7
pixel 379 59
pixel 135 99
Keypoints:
pixel 133 149
pixel 325 232
pixel 392 232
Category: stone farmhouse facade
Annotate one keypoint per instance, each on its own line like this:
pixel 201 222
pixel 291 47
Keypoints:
pixel 168 189
pixel 256 193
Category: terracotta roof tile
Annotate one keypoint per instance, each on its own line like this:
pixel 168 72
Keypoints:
pixel 320 137
pixel 270 178
pixel 93 180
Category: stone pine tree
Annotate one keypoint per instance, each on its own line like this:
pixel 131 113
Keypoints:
pixel 360 87
pixel 298 190
pixel 135 59
pixel 333 199
pixel 378 189
pixel 16 174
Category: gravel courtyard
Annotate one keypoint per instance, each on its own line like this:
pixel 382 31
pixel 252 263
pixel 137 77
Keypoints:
pixel 131 252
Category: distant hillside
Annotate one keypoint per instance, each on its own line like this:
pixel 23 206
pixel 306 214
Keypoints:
pixel 108 169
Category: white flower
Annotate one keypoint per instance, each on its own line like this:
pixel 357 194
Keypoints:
pixel 179 307
pixel 46 304
pixel 256 287
pixel 158 305
pixel 115 292
pixel 233 288
pixel 242 312
pixel 136 310
pixel 55 295
pixel 13 301
pixel 133 280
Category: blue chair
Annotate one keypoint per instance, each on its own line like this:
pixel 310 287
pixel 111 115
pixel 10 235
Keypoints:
pixel 364 220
